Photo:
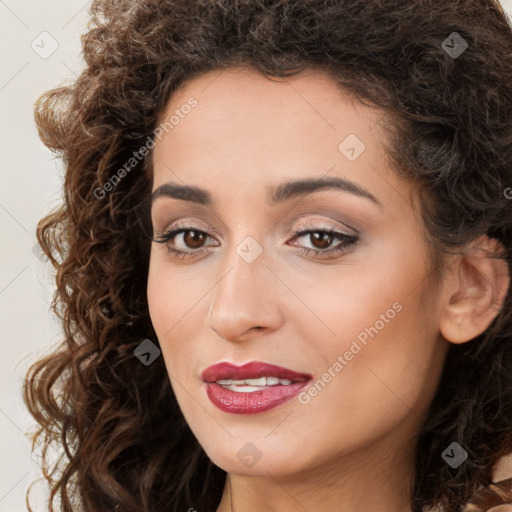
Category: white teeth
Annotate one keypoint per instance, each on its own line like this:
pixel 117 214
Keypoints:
pixel 262 381
pixel 251 385
pixel 244 389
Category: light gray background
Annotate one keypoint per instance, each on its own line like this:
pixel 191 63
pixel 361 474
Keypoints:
pixel 31 179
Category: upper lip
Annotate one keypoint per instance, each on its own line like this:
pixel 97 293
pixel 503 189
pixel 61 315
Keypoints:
pixel 251 370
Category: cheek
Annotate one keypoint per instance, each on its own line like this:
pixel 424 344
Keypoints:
pixel 381 321
pixel 374 389
pixel 367 292
pixel 171 293
pixel 176 302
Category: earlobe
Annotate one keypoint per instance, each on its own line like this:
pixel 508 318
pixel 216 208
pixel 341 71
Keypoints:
pixel 474 291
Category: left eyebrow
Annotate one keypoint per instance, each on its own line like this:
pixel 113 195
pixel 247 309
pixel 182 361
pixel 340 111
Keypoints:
pixel 283 192
pixel 292 189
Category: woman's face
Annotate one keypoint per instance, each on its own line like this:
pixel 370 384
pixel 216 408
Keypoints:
pixel 355 311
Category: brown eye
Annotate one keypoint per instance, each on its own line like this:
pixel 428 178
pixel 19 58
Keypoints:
pixel 321 239
pixel 183 241
pixel 193 239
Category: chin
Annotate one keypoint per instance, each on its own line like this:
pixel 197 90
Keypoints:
pixel 257 456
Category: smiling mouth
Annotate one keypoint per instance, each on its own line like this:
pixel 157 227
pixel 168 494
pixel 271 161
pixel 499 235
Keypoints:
pixel 252 388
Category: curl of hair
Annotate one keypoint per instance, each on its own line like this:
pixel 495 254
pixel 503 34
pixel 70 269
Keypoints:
pixel 126 444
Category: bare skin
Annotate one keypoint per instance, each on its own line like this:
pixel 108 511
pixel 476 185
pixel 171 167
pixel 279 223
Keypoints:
pixel 350 446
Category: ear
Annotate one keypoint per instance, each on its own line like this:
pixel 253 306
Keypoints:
pixel 474 290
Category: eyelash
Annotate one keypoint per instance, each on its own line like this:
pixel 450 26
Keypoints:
pixel 349 241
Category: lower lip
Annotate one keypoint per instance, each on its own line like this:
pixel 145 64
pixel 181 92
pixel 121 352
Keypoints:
pixel 251 403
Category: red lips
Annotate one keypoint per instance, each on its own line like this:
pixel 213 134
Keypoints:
pixel 252 370
pixel 252 401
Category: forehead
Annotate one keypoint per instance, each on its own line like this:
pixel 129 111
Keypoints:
pixel 311 88
pixel 244 107
pixel 249 129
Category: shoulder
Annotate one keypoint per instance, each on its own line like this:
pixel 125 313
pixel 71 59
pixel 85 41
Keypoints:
pixel 496 497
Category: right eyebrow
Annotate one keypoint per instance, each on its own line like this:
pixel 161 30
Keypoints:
pixel 183 192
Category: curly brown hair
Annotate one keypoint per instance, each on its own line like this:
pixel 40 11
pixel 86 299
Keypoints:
pixel 126 445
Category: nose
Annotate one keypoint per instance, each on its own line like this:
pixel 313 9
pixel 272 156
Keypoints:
pixel 245 299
